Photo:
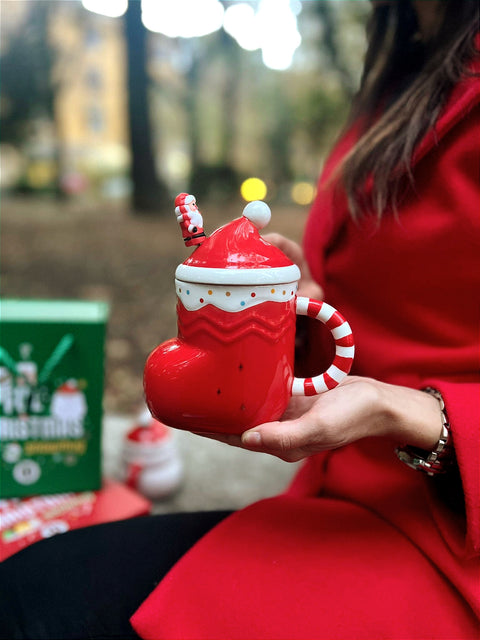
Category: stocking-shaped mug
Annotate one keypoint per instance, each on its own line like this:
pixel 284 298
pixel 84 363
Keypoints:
pixel 230 367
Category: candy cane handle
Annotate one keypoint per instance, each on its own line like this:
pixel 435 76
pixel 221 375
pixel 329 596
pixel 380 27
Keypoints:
pixel 344 348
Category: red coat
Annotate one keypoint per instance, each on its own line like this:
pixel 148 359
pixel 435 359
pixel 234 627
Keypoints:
pixel 360 546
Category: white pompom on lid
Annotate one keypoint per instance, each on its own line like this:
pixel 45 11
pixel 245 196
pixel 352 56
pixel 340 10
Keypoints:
pixel 258 213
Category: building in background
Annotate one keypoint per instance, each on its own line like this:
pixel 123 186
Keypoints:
pixel 90 103
pixel 70 128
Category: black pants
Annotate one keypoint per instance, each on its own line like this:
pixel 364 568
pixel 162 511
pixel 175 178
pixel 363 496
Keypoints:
pixel 88 582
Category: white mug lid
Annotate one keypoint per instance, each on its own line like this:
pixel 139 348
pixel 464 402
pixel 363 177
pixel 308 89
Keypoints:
pixel 211 275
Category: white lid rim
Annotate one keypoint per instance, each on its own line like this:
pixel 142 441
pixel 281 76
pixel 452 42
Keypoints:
pixel 212 275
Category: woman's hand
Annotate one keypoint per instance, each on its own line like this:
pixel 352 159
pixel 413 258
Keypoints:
pixel 307 286
pixel 357 408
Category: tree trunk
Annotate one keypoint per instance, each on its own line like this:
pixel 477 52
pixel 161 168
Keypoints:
pixel 150 194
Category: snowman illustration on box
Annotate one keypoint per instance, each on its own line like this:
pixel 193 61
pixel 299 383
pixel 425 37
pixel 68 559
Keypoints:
pixel 231 365
pixel 69 405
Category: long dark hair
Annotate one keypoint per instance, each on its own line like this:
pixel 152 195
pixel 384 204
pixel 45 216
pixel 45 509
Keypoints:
pixel 407 81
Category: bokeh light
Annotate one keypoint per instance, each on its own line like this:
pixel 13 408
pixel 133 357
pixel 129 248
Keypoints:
pixel 239 21
pixel 303 193
pixel 110 8
pixel 271 28
pixel 41 174
pixel 182 18
pixel 253 189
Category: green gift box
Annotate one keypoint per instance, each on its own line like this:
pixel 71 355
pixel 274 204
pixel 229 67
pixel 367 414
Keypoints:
pixel 51 390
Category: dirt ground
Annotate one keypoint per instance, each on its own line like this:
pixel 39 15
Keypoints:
pixel 102 252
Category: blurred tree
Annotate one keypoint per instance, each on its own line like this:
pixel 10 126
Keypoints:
pixel 331 44
pixel 28 88
pixel 29 85
pixel 231 54
pixel 336 39
pixel 279 127
pixel 150 194
pixel 218 179
pixel 236 118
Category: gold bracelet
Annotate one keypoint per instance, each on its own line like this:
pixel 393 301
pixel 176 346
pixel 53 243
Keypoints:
pixel 441 458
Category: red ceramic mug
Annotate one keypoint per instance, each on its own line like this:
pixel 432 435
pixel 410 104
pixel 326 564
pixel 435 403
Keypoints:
pixel 231 366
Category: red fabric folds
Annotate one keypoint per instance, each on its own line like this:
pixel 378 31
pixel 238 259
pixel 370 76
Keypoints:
pixel 304 568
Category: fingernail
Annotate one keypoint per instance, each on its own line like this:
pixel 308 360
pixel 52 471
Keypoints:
pixel 252 439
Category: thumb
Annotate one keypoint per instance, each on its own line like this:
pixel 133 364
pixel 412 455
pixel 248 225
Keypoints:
pixel 281 437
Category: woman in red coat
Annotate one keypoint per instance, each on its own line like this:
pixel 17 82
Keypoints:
pixel 361 546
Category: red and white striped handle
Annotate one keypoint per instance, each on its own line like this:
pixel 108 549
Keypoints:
pixel 344 348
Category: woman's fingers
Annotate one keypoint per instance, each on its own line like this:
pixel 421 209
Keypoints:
pixel 307 286
pixel 290 248
pixel 331 420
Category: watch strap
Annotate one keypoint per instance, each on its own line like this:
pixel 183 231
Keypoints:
pixel 442 457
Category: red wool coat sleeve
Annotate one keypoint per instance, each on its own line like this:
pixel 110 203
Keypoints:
pixel 462 402
pixel 361 546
